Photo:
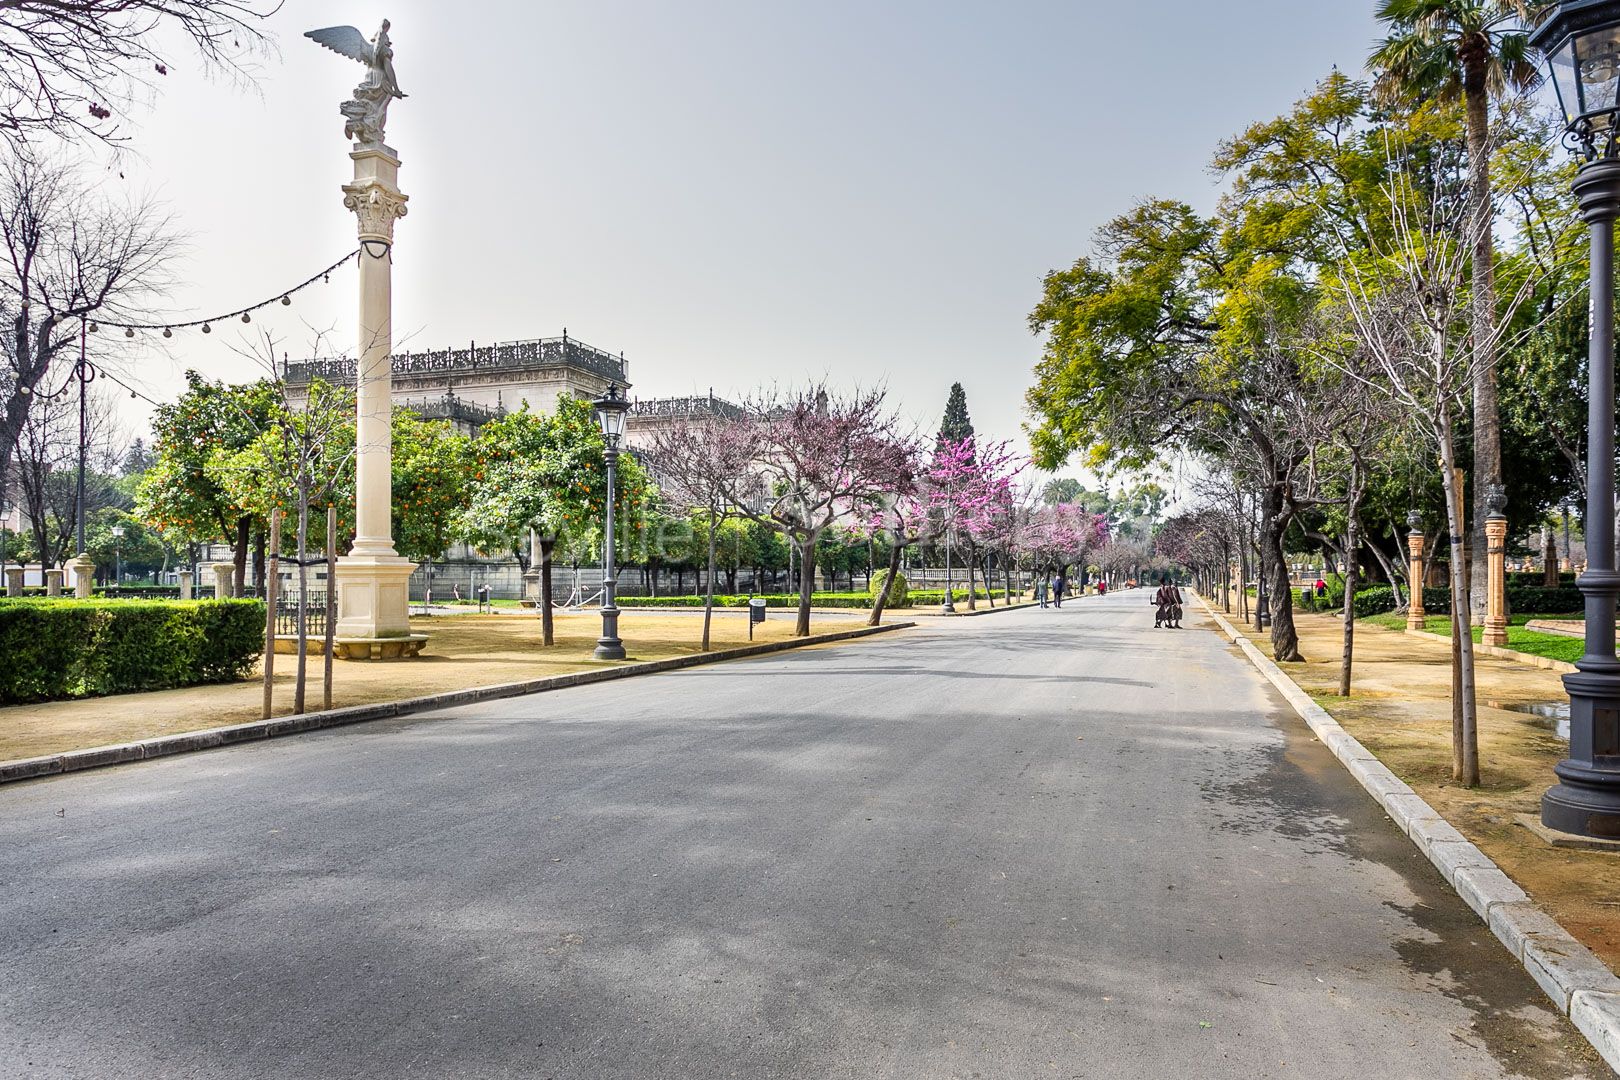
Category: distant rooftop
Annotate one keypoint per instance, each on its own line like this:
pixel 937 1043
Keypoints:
pixel 687 408
pixel 507 356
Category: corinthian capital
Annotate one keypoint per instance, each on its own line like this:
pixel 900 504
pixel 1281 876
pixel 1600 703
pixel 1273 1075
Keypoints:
pixel 376 205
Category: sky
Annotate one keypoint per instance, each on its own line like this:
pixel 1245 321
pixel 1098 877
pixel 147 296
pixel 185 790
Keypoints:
pixel 735 194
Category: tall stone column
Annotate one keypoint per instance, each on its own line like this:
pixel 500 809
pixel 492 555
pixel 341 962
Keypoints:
pixel 83 569
pixel 372 580
pixel 1415 613
pixel 224 579
pixel 14 581
pixel 1495 631
pixel 186 577
pixel 53 582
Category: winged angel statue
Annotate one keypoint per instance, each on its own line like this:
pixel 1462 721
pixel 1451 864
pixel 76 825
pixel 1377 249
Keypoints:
pixel 364 115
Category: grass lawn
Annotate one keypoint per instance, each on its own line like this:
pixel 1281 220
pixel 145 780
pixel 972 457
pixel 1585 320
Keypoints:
pixel 1552 646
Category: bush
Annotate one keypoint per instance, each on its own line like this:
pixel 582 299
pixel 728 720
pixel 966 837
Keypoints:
pixel 899 590
pixel 56 649
pixel 773 600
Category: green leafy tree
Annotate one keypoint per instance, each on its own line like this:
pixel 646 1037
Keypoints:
pixel 433 464
pixel 547 473
pixel 179 494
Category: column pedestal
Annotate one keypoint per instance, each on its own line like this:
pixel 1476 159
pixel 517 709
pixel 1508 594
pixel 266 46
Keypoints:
pixel 224 579
pixel 53 582
pixel 83 569
pixel 14 581
pixel 1415 614
pixel 186 577
pixel 1495 632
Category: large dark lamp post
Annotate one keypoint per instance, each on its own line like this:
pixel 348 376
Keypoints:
pixel 610 410
pixel 1581 41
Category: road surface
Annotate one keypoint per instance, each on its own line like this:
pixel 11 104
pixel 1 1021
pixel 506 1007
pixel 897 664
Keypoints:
pixel 1040 844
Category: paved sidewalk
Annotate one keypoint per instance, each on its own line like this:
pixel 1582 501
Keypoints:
pixel 1400 708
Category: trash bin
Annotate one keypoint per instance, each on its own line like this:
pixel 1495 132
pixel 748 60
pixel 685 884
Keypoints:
pixel 756 614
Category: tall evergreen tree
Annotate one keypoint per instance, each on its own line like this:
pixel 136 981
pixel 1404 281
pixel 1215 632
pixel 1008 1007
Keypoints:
pixel 956 427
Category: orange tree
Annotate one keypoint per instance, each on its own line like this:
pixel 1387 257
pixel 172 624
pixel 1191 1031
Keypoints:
pixel 547 472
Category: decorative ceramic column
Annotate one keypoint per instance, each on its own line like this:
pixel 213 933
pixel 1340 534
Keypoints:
pixel 1495 632
pixel 373 601
pixel 53 582
pixel 1415 613
pixel 83 569
pixel 186 580
pixel 224 578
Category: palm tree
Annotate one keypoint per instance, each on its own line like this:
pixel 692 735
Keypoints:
pixel 1475 50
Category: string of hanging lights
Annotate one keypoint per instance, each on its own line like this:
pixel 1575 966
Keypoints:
pixel 245 314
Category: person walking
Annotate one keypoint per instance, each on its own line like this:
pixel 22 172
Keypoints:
pixel 1102 586
pixel 1167 605
pixel 1040 589
pixel 1059 587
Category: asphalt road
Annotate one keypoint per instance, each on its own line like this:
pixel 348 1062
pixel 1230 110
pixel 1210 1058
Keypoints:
pixel 1041 844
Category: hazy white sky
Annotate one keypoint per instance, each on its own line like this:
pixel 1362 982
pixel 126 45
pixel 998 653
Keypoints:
pixel 731 192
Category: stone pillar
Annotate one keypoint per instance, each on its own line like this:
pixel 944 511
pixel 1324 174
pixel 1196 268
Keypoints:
pixel 83 569
pixel 1415 613
pixel 1495 632
pixel 14 580
pixel 224 579
pixel 372 579
pixel 186 577
pixel 53 582
pixel 531 576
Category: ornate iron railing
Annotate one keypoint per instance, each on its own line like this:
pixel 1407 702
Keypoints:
pixel 314 614
pixel 688 408
pixel 451 408
pixel 511 355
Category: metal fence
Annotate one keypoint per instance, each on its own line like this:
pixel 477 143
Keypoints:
pixel 314 614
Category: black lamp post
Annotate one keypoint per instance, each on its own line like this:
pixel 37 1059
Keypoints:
pixel 1581 41
pixel 610 410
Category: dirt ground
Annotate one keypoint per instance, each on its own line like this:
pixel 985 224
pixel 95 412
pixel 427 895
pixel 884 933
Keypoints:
pixel 1400 709
pixel 462 651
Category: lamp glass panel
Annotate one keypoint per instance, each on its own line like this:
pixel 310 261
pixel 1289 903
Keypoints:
pixel 612 422
pixel 1595 70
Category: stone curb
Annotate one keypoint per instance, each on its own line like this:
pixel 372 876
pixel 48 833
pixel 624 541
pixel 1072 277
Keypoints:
pixel 1544 662
pixel 96 757
pixel 1581 985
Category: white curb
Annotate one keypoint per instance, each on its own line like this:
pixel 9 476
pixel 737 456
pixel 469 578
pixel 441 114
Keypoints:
pixel 1581 985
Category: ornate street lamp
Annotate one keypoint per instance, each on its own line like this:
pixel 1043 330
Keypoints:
pixel 610 410
pixel 118 555
pixel 1581 41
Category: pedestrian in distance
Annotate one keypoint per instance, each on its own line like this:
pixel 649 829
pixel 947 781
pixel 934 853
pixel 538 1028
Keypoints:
pixel 1102 586
pixel 1040 590
pixel 1167 605
pixel 1321 589
pixel 1059 587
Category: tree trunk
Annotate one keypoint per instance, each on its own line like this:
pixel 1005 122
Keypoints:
pixel 882 600
pixel 807 557
pixel 303 598
pixel 1487 432
pixel 972 560
pixel 548 626
pixel 1352 575
pixel 1274 565
pixel 240 554
pixel 708 597
pixel 1465 730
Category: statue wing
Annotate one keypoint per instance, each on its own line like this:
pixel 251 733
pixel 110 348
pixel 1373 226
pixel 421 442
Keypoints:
pixel 345 40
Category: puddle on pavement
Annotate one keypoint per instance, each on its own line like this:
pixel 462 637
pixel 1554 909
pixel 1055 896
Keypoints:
pixel 1552 715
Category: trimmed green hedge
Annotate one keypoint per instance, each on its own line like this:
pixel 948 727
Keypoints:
pixel 56 649
pixel 775 600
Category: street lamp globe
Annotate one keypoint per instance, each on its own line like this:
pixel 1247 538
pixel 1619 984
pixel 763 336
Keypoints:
pixel 610 411
pixel 1581 41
